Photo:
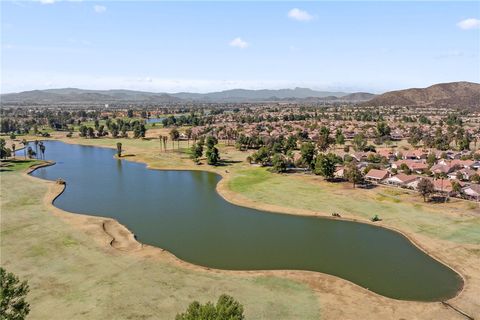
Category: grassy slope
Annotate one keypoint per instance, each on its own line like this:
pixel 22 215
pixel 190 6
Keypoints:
pixel 402 209
pixel 72 277
pixel 18 165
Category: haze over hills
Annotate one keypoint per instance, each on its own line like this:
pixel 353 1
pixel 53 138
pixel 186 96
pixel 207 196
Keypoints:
pixel 73 95
pixel 453 94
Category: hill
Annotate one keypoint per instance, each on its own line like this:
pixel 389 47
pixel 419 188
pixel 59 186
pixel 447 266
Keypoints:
pixel 82 96
pixel 453 94
pixel 79 96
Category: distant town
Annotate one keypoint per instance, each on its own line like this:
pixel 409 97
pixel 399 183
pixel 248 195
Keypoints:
pixel 432 150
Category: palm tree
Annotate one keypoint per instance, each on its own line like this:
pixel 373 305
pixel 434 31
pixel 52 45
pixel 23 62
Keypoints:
pixel 174 135
pixel 119 149
pixel 42 150
pixel 36 148
pixel 24 142
pixel 188 133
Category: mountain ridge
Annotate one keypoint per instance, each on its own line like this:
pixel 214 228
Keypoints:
pixel 75 95
pixel 451 94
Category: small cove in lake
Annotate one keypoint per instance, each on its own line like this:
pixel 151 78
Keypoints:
pixel 180 211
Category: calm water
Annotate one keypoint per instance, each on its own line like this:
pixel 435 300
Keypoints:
pixel 155 120
pixel 180 211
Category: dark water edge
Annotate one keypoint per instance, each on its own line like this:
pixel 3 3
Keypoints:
pixel 180 211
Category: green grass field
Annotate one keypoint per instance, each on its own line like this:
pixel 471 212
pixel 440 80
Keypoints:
pixel 18 165
pixel 400 208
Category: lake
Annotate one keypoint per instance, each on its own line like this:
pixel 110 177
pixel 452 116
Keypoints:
pixel 180 211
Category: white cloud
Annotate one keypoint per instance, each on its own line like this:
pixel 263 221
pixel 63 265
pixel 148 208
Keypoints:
pixel 99 8
pixel 239 43
pixel 47 1
pixel 299 15
pixel 470 23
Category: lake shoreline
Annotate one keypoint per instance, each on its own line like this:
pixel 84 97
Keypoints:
pixel 228 195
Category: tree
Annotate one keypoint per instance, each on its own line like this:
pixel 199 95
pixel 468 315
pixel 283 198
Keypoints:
pixel 359 142
pixel 456 187
pixel 227 308
pixel 339 137
pixel 36 147
pixel 211 142
pixel 90 132
pixel 383 130
pixel 475 178
pixel 174 135
pixel 12 297
pixel 119 149
pixel 291 143
pixel 83 131
pixel 262 156
pixel 188 133
pixel 425 187
pixel 307 151
pixel 353 174
pixel 279 163
pixel 213 156
pixel 24 142
pixel 31 153
pixel 325 165
pixel 197 151
pixel 324 139
pixel 42 150
pixel 431 159
pixel 4 151
pixel 139 130
pixel 405 168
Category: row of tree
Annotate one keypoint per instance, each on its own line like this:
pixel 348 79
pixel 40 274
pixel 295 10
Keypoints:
pixel 212 154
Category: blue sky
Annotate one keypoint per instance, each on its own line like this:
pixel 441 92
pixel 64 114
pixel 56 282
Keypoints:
pixel 209 46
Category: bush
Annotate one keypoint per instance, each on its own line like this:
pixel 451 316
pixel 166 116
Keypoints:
pixel 12 293
pixel 226 308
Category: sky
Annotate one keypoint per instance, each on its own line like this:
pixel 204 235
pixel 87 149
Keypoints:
pixel 210 46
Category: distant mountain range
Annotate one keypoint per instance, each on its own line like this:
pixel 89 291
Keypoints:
pixel 453 94
pixel 73 95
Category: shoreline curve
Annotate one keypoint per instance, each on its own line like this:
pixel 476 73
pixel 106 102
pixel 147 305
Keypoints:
pixel 126 241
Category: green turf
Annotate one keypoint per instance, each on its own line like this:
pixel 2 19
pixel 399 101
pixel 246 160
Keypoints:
pixel 18 165
pixel 434 220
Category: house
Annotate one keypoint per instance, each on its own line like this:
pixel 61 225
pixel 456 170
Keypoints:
pixel 463 174
pixel 403 180
pixel 442 168
pixel 418 166
pixel 359 156
pixel 472 191
pixel 415 154
pixel 443 186
pixel 396 136
pixel 387 153
pixel 375 175
pixel 475 165
pixel 462 163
